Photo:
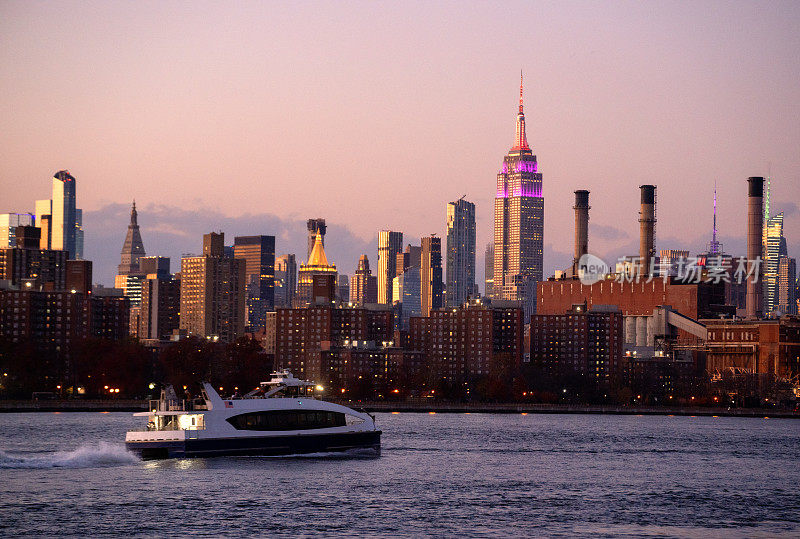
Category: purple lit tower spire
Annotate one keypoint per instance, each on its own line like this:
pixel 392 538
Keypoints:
pixel 518 221
pixel 715 247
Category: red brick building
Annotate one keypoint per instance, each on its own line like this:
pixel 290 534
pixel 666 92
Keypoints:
pixel 468 342
pixel 300 333
pixel 757 346
pixel 700 300
pixel 587 342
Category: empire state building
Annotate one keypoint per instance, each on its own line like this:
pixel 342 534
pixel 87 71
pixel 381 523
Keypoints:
pixel 518 223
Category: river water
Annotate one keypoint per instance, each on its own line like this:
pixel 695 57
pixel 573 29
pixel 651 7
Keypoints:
pixel 475 475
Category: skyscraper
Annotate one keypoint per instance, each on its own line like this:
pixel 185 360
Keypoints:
pixel 518 222
pixel 285 280
pixel 431 275
pixel 317 266
pixel 315 226
pixel 258 252
pixel 774 250
pixel 212 291
pixel 129 275
pixel 8 227
pixel 787 285
pixel 44 217
pixel 488 261
pixel 363 285
pixel 390 244
pixel 133 248
pixel 460 251
pixel 64 224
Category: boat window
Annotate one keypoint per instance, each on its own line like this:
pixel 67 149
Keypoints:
pixel 287 420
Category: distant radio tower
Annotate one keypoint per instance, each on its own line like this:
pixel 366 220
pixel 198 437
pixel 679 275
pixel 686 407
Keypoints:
pixel 714 247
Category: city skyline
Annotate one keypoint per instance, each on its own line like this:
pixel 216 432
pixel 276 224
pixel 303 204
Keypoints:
pixel 692 119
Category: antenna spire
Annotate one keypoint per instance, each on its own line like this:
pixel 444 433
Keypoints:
pixel 714 233
pixel 521 140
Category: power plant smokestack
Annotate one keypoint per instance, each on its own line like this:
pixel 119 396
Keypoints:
pixel 755 225
pixel 581 227
pixel 647 228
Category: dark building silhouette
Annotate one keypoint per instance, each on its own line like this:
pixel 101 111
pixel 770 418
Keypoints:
pixel 431 274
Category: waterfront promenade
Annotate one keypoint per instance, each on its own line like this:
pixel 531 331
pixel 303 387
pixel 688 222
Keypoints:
pixel 129 405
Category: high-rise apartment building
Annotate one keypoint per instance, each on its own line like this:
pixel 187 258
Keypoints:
pixel 159 312
pixel 431 275
pixel 460 252
pixel 155 265
pixel 390 244
pixel 38 269
pixel 213 292
pixel 285 280
pixel 488 262
pixel 787 285
pixel 589 342
pixel 774 250
pixel 363 285
pixel 315 226
pixel 469 342
pixel 518 222
pixel 258 252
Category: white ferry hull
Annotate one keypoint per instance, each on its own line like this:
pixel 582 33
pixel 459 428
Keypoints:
pixel 295 444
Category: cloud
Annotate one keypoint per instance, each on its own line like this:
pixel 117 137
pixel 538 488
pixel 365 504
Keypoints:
pixel 789 209
pixel 605 232
pixel 173 231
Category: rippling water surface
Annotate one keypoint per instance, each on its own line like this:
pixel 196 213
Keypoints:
pixel 438 474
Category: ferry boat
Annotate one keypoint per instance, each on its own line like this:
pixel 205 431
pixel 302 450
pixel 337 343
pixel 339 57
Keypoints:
pixel 280 417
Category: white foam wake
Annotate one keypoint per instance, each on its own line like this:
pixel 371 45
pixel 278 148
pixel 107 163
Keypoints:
pixel 98 455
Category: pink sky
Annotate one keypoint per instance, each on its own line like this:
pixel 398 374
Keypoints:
pixel 375 115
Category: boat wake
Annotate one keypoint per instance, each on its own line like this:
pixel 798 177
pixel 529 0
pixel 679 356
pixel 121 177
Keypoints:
pixel 98 455
pixel 356 453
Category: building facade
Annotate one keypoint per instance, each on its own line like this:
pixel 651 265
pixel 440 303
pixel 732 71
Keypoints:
pixel 518 223
pixel 301 334
pixel 469 342
pixel 317 266
pixel 460 252
pixel 129 276
pixel 159 312
pixel 212 292
pixel 363 285
pixel 390 244
pixel 8 226
pixel 258 253
pixel 285 280
pixel 587 342
pixel 774 249
pixel 64 218
pixel 787 285
pixel 431 297
pixel 488 261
